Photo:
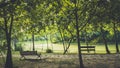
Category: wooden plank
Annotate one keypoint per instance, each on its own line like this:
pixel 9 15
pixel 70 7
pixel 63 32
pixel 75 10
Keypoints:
pixel 87 46
pixel 29 53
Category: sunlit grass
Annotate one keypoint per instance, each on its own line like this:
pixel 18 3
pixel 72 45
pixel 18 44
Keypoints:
pixel 41 46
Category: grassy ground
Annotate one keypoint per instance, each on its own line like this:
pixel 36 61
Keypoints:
pixel 58 48
pixel 57 60
pixel 67 61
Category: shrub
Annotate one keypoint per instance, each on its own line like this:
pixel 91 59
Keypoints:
pixel 49 51
pixel 18 48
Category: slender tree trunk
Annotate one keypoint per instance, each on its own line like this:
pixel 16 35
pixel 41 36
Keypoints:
pixel 78 37
pixel 47 41
pixel 14 43
pixel 86 40
pixel 104 39
pixel 69 42
pixel 62 38
pixel 51 41
pixel 33 41
pixel 116 38
pixel 68 46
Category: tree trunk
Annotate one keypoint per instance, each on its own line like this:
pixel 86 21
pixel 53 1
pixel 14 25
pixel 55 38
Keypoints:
pixel 79 47
pixel 86 40
pixel 104 39
pixel 62 38
pixel 33 41
pixel 69 42
pixel 66 50
pixel 116 38
pixel 78 37
pixel 14 43
pixel 46 37
pixel 51 41
pixel 15 40
pixel 9 63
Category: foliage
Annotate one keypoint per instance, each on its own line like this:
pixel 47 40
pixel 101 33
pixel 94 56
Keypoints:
pixel 49 51
pixel 18 47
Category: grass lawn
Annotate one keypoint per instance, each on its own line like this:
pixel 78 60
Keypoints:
pixel 67 61
pixel 57 60
pixel 58 48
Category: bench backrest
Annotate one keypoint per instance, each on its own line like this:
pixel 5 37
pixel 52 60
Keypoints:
pixel 28 52
pixel 87 47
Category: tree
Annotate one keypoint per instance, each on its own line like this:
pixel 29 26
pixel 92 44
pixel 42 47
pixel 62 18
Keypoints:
pixel 33 18
pixel 110 14
pixel 104 38
pixel 114 8
pixel 78 37
pixel 7 16
pixel 99 18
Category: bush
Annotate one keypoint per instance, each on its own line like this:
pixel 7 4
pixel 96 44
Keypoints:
pixel 18 48
pixel 49 51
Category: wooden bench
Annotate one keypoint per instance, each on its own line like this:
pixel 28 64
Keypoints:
pixel 88 48
pixel 29 53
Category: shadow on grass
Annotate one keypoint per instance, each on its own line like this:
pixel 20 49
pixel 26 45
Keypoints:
pixel 49 63
pixel 34 60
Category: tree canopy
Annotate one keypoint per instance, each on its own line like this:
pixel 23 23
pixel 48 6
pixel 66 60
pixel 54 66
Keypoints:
pixel 98 20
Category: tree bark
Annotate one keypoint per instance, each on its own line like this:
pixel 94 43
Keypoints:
pixel 104 39
pixel 33 41
pixel 51 41
pixel 66 50
pixel 64 47
pixel 78 37
pixel 116 38
pixel 8 63
pixel 46 37
pixel 86 40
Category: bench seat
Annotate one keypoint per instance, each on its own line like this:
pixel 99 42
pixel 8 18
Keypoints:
pixel 29 53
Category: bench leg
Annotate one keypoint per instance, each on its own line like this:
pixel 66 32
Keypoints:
pixel 39 56
pixel 22 57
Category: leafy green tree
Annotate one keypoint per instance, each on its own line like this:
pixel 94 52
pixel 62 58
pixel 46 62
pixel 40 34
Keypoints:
pixel 7 17
pixel 113 13
pixel 64 18
pixel 34 18
pixel 99 18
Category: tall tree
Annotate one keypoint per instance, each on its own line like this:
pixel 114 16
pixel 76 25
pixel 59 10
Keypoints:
pixel 100 15
pixel 78 37
pixel 7 16
pixel 104 38
pixel 114 12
